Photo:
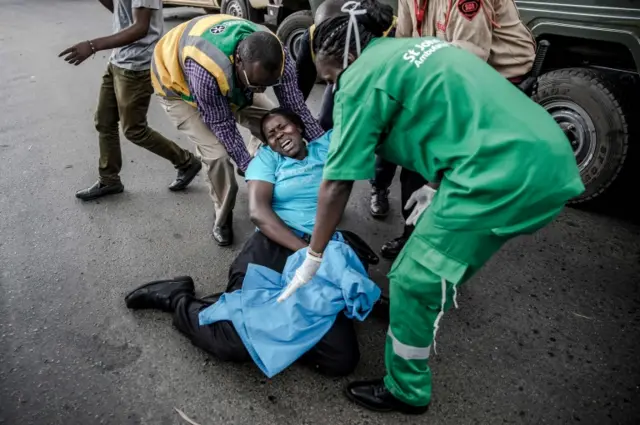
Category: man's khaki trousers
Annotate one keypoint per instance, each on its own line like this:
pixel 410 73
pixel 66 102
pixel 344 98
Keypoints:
pixel 217 163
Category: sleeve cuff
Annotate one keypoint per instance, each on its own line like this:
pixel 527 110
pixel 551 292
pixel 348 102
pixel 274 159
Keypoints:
pixel 260 179
pixel 147 4
pixel 352 175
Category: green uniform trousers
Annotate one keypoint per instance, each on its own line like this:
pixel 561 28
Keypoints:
pixel 423 283
pixel 124 98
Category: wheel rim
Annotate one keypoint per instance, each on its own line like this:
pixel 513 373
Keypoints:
pixel 577 126
pixel 234 9
pixel 293 42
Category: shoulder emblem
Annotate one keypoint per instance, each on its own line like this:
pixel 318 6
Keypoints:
pixel 217 29
pixel 469 8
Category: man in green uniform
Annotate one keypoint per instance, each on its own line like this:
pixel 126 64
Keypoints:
pixel 504 165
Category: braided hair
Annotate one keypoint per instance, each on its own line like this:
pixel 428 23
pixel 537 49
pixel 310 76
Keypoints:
pixel 331 35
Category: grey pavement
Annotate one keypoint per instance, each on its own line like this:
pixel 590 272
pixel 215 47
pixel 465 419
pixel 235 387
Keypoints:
pixel 547 333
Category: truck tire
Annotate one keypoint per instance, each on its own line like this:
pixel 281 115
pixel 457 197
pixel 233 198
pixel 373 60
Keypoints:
pixel 237 8
pixel 291 29
pixel 583 103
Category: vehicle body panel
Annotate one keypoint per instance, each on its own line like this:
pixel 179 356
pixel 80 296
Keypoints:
pixel 214 4
pixel 259 4
pixel 617 22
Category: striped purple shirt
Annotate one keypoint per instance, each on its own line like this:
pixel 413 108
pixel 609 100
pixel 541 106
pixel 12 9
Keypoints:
pixel 216 111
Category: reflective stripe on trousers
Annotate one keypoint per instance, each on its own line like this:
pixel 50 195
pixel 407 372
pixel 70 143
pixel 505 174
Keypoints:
pixel 409 352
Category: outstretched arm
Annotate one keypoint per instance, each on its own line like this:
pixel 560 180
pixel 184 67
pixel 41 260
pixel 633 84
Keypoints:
pixel 216 112
pixel 78 53
pixel 359 123
pixel 290 96
pixel 332 201
pixel 133 33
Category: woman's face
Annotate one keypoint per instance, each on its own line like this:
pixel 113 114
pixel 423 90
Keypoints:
pixel 328 68
pixel 284 137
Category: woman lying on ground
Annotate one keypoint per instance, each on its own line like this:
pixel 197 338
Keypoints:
pixel 283 181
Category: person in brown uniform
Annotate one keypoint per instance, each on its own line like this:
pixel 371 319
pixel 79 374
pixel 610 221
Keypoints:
pixel 491 29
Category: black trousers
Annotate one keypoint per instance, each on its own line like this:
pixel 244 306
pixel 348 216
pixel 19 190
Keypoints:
pixel 410 181
pixel 325 118
pixel 336 354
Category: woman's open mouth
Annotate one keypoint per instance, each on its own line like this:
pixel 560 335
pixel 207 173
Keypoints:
pixel 287 145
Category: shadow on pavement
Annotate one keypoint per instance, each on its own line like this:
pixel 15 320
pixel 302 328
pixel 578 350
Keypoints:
pixel 620 200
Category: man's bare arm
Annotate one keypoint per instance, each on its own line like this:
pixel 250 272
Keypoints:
pixel 332 200
pixel 78 53
pixel 133 33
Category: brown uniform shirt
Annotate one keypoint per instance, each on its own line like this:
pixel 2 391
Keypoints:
pixel 491 29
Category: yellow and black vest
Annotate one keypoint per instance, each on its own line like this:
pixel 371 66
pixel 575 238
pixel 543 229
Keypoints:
pixel 210 41
pixel 312 30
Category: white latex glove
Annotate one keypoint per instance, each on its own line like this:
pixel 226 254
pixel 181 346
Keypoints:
pixel 421 198
pixel 303 275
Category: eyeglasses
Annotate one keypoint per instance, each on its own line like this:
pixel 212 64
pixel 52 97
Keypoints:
pixel 256 87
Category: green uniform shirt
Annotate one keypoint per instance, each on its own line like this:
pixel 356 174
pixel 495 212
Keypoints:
pixel 440 111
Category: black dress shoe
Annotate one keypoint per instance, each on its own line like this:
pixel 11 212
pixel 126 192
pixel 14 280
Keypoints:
pixel 391 249
pixel 223 234
pixel 186 175
pixel 373 395
pixel 98 190
pixel 159 294
pixel 379 207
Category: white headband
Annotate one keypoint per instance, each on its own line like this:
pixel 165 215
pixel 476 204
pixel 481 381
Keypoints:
pixel 351 7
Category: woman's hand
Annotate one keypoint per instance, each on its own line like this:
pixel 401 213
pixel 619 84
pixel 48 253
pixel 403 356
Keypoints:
pixel 303 275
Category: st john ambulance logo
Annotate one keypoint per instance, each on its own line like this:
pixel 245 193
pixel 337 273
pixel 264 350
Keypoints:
pixel 218 29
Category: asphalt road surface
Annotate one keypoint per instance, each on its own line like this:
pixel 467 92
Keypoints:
pixel 547 333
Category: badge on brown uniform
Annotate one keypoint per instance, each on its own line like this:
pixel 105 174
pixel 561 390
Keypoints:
pixel 469 8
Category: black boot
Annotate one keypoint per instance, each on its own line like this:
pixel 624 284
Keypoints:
pixel 373 395
pixel 186 175
pixel 98 190
pixel 159 294
pixel 391 249
pixel 379 207
pixel 223 234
